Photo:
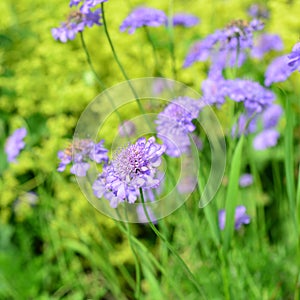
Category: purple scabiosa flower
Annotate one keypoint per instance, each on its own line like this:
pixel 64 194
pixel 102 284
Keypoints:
pixel 76 22
pixel 294 58
pixel 161 85
pixel 245 180
pixel 143 16
pixel 254 96
pixel 236 36
pixel 80 153
pixel 127 128
pixel 240 217
pixel 278 70
pixel 271 116
pixel 258 11
pixel 14 144
pixel 174 124
pixel 213 90
pixel 131 168
pixel 266 139
pixel 227 58
pixel 201 50
pixel 265 43
pixel 86 4
pixel 184 19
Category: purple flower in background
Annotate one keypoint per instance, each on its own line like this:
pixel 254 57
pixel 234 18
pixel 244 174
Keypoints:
pixel 127 128
pixel 201 50
pixel 14 144
pixel 184 19
pixel 76 22
pixel 294 58
pixel 227 58
pixel 240 217
pixel 143 16
pixel 246 180
pixel 80 153
pixel 258 11
pixel 266 139
pixel 278 70
pixel 271 116
pixel 132 168
pixel 86 4
pixel 175 122
pixel 254 96
pixel 265 43
pixel 236 36
pixel 213 90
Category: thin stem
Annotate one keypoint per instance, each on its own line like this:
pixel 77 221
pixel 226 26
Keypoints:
pixel 149 37
pixel 170 30
pixel 145 250
pixel 137 293
pixel 102 85
pixel 89 60
pixel 121 66
pixel 170 247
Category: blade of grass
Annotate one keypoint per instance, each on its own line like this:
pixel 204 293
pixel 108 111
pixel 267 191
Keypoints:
pixel 232 192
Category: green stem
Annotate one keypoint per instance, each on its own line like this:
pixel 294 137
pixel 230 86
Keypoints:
pixel 122 68
pixel 89 60
pixel 170 247
pixel 152 259
pixel 102 85
pixel 289 161
pixel 149 37
pixel 137 293
pixel 170 30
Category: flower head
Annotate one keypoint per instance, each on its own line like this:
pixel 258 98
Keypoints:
pixel 143 16
pixel 245 180
pixel 265 43
pixel 294 58
pixel 14 144
pixel 81 152
pixel 213 90
pixel 254 96
pixel 258 11
pixel 131 168
pixel 86 4
pixel 271 116
pixel 278 70
pixel 76 22
pixel 184 19
pixel 240 217
pixel 175 122
pixel 127 128
pixel 236 36
pixel 266 139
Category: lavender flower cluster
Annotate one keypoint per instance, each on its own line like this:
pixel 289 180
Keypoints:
pixel 84 16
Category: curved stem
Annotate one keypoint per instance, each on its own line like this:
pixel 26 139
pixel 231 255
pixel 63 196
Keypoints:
pixel 122 68
pixel 100 82
pixel 170 247
pixel 155 262
pixel 89 60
